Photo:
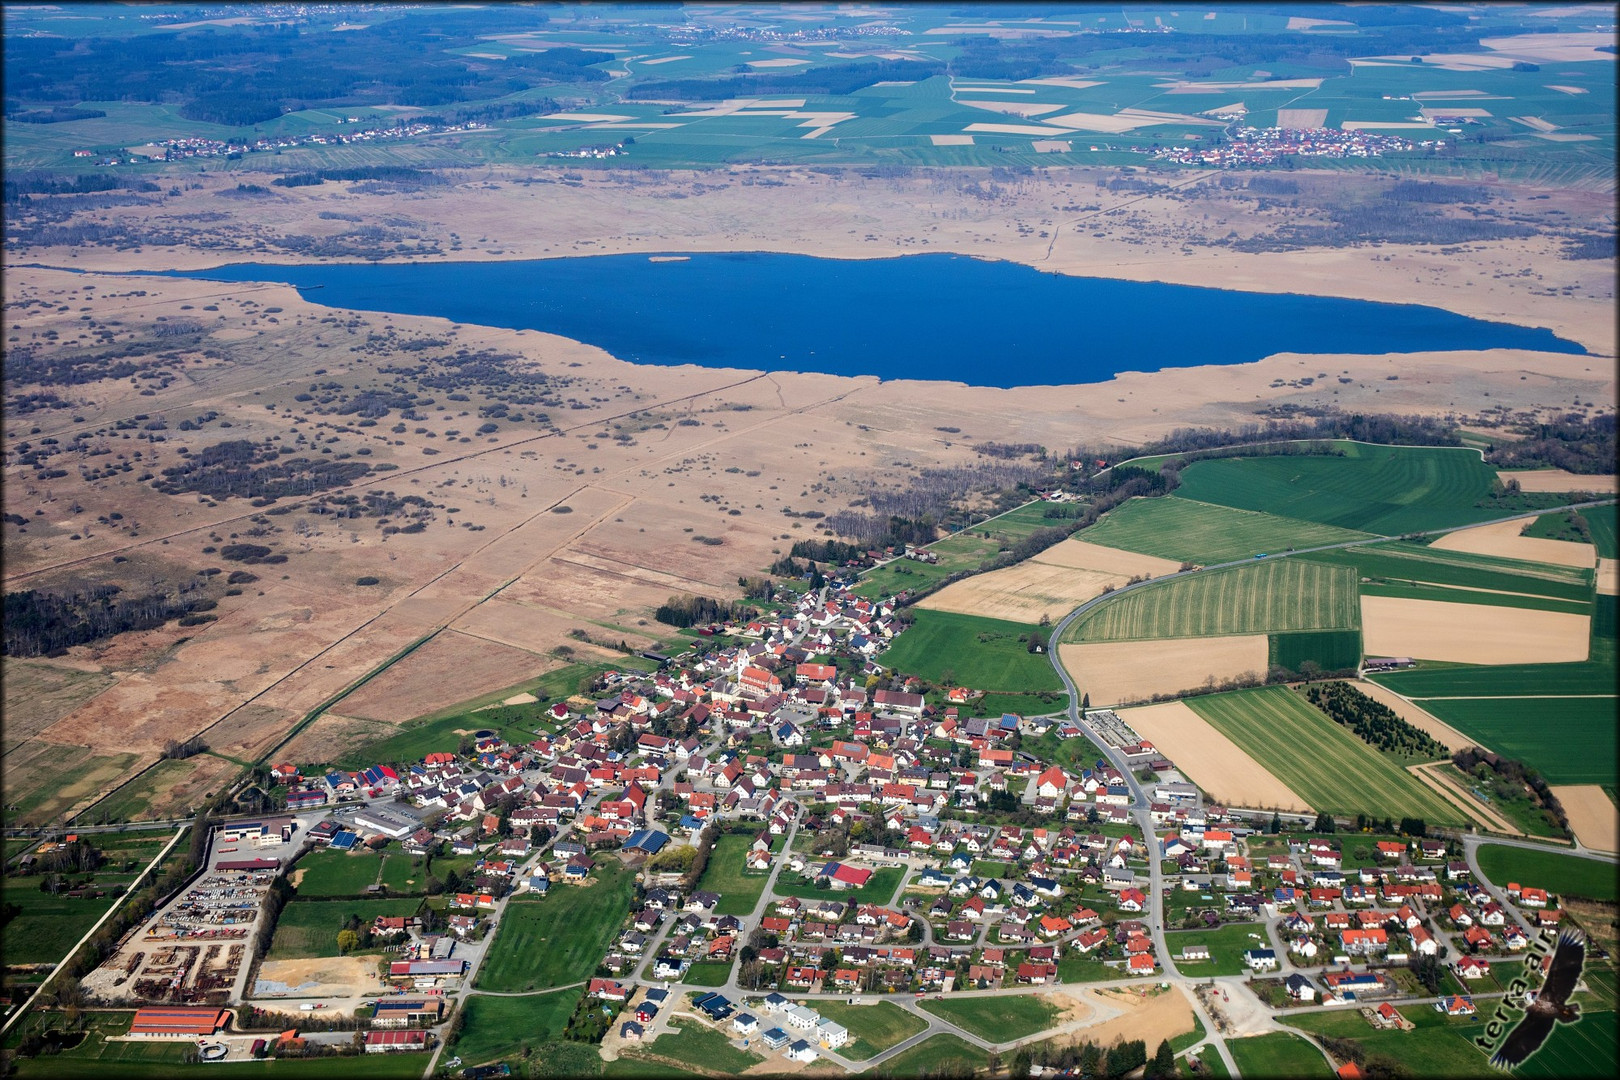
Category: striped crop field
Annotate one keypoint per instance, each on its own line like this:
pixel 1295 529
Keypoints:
pixel 1182 529
pixel 1383 489
pixel 1284 594
pixel 1324 763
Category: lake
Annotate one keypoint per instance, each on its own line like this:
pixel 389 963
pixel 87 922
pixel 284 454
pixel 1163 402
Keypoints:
pixel 936 316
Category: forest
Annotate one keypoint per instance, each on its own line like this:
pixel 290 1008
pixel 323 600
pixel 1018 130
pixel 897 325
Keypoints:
pixel 241 76
pixel 1576 443
pixel 39 623
pixel 684 611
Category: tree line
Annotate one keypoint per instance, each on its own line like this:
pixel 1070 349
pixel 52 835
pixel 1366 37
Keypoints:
pixel 40 623
pixel 685 611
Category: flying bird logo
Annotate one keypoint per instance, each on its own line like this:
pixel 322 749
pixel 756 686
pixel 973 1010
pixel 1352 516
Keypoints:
pixel 1551 1006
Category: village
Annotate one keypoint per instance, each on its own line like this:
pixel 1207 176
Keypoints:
pixel 884 850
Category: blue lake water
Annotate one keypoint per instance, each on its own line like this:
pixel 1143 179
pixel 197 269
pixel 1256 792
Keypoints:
pixel 947 317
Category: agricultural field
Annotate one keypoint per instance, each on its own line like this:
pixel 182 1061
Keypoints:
pixel 1516 540
pixel 1277 1055
pixel 308 929
pixel 1600 520
pixel 1436 1047
pixel 1227 944
pixel 724 874
pixel 47 926
pixel 1324 763
pixel 1584 1049
pixel 1591 879
pixel 1329 650
pixel 560 939
pixel 500 1027
pixel 999 1018
pixel 873 1028
pixel 984 654
pixel 1123 672
pixel 1222 768
pixel 1388 490
pixel 1199 532
pixel 1472 633
pixel 1570 740
pixel 1281 595
pixel 966 549
pixel 1402 563
pixel 1049 584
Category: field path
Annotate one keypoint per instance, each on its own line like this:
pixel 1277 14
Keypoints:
pixel 1432 775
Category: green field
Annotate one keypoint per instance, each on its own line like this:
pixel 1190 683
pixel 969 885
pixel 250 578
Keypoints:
pixel 724 875
pixel 1179 528
pixel 558 940
pixel 1322 762
pixel 47 926
pixel 309 928
pixel 984 654
pixel 1507 680
pixel 1227 944
pixel 931 1055
pixel 1279 1055
pixel 499 1027
pixel 1577 1050
pixel 879 888
pixel 1436 1047
pixel 1330 650
pixel 1441 593
pixel 1389 490
pixel 966 549
pixel 708 973
pixel 872 1028
pixel 1601 521
pixel 1554 871
pixel 1402 563
pixel 1569 740
pixel 1283 594
pixel 999 1017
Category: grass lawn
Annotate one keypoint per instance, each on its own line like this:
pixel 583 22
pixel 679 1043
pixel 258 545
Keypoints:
pixel 1073 754
pixel 1077 967
pixel 724 874
pixel 558 940
pixel 309 928
pixel 1227 944
pixel 48 925
pixel 1314 756
pixel 702 1047
pixel 1550 870
pixel 984 654
pixel 930 1055
pixel 872 1028
pixel 997 1018
pixel 1282 594
pixel 879 888
pixel 1569 740
pixel 708 973
pixel 325 872
pixel 1201 532
pixel 1278 1055
pixel 497 1027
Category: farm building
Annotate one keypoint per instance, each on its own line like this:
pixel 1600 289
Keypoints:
pixel 175 1022
pixel 385 1042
